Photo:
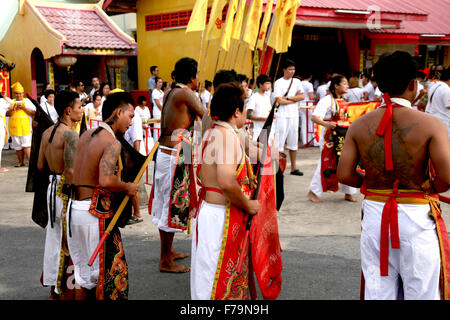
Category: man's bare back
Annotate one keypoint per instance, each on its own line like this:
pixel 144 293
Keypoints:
pixel 60 153
pixel 416 137
pixel 89 155
pixel 181 107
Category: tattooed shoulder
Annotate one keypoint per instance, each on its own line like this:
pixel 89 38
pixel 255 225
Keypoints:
pixel 108 162
pixel 70 148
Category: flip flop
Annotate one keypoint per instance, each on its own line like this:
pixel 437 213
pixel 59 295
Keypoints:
pixel 19 165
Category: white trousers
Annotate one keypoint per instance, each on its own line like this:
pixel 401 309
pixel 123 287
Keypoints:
pixel 53 237
pixel 164 167
pixel 287 129
pixel 205 255
pixel 417 262
pixel 85 237
pixel 316 182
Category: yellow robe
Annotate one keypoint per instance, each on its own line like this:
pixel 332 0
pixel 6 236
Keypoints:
pixel 19 122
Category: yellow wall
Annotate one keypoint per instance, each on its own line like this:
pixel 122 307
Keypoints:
pixel 26 33
pixel 165 48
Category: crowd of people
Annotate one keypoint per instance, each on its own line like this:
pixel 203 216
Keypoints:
pixel 85 171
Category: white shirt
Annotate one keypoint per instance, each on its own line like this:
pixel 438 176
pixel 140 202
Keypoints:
pixel 135 133
pixel 370 91
pixel 50 110
pixel 90 106
pixel 308 88
pixel 92 92
pixel 143 113
pixel 323 108
pixel 354 95
pixel 280 88
pixel 322 91
pixel 4 105
pixel 260 104
pixel 205 97
pixel 439 102
pixel 42 100
pixel 82 95
pixel 157 95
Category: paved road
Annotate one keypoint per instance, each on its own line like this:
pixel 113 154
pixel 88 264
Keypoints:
pixel 320 242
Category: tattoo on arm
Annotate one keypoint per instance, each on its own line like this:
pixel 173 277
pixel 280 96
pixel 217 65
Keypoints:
pixel 108 162
pixel 70 148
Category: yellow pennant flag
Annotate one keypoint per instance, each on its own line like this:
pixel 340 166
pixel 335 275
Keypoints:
pixel 280 37
pixel 289 22
pixel 252 24
pixel 214 28
pixel 237 24
pixel 264 25
pixel 228 29
pixel 197 21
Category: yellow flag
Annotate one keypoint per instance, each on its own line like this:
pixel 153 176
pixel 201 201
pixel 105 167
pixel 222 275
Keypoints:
pixel 252 24
pixel 264 25
pixel 237 24
pixel 214 28
pixel 228 29
pixel 197 21
pixel 280 37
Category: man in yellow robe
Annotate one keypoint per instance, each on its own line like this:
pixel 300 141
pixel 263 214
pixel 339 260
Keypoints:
pixel 20 123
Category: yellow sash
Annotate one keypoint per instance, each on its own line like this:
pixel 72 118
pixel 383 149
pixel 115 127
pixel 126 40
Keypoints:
pixel 4 125
pixel 19 122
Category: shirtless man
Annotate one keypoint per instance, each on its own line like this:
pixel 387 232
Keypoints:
pixel 416 139
pixel 180 109
pixel 223 175
pixel 58 149
pixel 96 164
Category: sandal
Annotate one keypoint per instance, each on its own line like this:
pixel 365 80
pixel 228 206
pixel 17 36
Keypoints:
pixel 19 165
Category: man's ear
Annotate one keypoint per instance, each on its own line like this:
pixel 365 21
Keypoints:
pixel 412 86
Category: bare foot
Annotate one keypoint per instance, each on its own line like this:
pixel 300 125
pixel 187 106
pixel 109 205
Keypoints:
pixel 348 197
pixel 178 255
pixel 173 267
pixel 312 196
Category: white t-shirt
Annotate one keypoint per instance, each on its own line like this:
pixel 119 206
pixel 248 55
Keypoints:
pixel 370 91
pixel 439 102
pixel 280 88
pixel 354 95
pixel 323 108
pixel 50 110
pixel 307 88
pixel 4 105
pixel 157 95
pixel 322 91
pixel 90 106
pixel 135 133
pixel 143 113
pixel 205 97
pixel 260 104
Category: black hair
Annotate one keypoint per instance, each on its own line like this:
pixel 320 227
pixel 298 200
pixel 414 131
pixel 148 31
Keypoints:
pixel 242 77
pixel 394 72
pixel 95 95
pixel 227 98
pixel 335 80
pixel 77 83
pixel 305 74
pixel 445 74
pixel 185 70
pixel 262 78
pixel 288 63
pixel 102 86
pixel 115 101
pixel 421 74
pixel 208 84
pixel 164 86
pixel 157 79
pixel 141 99
pixel 48 92
pixel 65 99
pixel 224 76
pixel 153 68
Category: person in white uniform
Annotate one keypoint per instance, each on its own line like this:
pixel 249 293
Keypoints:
pixel 400 256
pixel 258 106
pixel 4 107
pixel 49 105
pixel 157 101
pixel 439 100
pixel 306 123
pixel 205 96
pixel 369 91
pixel 289 91
pixel 354 93
pixel 322 116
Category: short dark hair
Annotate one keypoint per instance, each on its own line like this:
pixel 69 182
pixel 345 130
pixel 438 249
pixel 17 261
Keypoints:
pixel 115 101
pixel 335 80
pixel 65 99
pixel 242 77
pixel 394 72
pixel 49 92
pixel 262 78
pixel 445 74
pixel 141 99
pixel 153 68
pixel 185 69
pixel 77 83
pixel 224 76
pixel 102 86
pixel 208 84
pixel 288 63
pixel 95 95
pixel 227 98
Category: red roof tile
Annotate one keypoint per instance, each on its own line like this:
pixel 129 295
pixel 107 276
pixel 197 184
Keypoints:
pixel 85 28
